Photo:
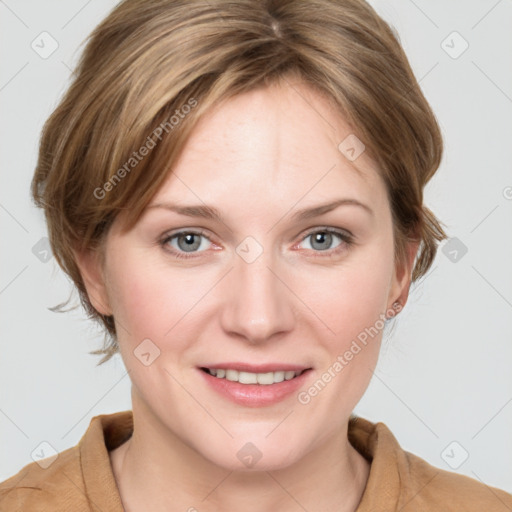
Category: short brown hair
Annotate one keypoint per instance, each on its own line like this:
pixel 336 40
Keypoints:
pixel 157 66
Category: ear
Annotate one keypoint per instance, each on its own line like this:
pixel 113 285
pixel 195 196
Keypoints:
pixel 401 282
pixel 90 264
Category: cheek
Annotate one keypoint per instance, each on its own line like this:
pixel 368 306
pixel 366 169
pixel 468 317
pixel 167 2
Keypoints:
pixel 148 300
pixel 350 298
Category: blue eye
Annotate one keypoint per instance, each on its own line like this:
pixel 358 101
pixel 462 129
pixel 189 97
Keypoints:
pixel 187 244
pixel 322 240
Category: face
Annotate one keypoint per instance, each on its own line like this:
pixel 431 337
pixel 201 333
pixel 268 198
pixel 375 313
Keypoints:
pixel 264 292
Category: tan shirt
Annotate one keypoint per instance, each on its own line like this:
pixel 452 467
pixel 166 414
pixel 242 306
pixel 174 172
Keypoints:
pixel 80 479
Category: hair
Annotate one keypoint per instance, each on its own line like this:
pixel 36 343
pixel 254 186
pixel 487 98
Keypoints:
pixel 151 69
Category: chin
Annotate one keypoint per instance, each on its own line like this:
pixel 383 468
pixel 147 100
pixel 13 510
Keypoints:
pixel 247 456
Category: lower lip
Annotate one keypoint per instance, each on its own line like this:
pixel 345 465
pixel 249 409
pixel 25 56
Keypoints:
pixel 255 395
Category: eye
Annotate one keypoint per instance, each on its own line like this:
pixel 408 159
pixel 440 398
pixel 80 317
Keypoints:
pixel 322 240
pixel 184 242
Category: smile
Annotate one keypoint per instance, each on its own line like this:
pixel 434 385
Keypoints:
pixel 243 377
pixel 266 385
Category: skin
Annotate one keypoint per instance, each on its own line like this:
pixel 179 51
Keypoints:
pixel 257 158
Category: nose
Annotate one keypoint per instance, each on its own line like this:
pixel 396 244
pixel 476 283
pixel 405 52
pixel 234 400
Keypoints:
pixel 258 303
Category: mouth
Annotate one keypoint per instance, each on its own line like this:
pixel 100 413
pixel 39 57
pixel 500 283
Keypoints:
pixel 252 385
pixel 262 378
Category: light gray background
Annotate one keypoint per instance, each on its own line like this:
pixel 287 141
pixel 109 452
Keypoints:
pixel 444 374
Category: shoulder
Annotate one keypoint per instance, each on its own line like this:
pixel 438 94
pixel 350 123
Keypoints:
pixel 75 479
pixel 427 487
pixel 401 480
pixel 40 487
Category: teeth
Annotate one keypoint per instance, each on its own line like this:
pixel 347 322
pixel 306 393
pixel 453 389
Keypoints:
pixel 232 375
pixel 247 378
pixel 267 378
pixel 253 378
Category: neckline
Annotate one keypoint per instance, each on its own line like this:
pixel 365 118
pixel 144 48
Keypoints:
pixel 374 441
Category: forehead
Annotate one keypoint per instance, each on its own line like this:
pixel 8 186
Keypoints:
pixel 279 143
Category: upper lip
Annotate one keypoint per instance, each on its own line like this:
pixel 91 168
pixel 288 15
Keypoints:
pixel 257 368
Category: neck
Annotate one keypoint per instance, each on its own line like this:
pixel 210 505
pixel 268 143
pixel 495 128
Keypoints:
pixel 156 471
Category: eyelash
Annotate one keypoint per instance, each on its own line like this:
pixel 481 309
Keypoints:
pixel 346 238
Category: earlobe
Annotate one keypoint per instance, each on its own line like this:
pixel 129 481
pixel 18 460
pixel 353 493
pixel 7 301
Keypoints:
pixel 90 266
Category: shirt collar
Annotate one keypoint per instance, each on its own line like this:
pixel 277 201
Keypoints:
pixel 372 440
pixel 376 443
pixel 105 432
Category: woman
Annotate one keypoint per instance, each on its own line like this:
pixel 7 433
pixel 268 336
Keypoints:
pixel 236 189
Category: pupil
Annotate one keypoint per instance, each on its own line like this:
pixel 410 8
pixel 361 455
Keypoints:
pixel 322 238
pixel 189 241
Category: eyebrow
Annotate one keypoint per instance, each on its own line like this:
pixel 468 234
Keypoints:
pixel 210 212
